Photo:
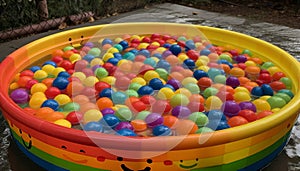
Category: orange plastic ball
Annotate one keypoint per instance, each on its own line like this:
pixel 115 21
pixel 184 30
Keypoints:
pixel 237 121
pixel 104 102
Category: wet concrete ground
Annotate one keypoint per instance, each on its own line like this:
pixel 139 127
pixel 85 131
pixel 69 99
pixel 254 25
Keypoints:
pixel 284 37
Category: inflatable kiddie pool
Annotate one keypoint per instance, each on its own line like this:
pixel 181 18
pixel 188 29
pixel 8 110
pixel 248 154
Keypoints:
pixel 248 147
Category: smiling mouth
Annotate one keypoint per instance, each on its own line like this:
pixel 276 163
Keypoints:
pixel 29 144
pixel 125 168
pixel 77 161
pixel 188 167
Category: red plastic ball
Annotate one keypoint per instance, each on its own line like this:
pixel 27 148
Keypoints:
pixel 248 114
pixel 196 107
pixel 74 117
pixel 52 92
pixel 139 106
pixel 28 73
pixel 277 75
pixel 66 64
pixel 204 82
pixel 99 86
pixel 264 114
pixel 148 99
pixel 277 85
pixel 80 65
pixel 161 106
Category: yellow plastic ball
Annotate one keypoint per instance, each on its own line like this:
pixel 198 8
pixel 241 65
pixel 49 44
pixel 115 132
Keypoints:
pixel 107 56
pixel 57 70
pixel 62 99
pixel 74 57
pixel 96 61
pixel 36 102
pixel 113 50
pixel 241 89
pixel 38 87
pixel 183 91
pixel 149 75
pixel 265 97
pixel 90 81
pixel 165 93
pixel 273 69
pixel 182 57
pixel 40 74
pixel 92 115
pixel 213 103
pixel 63 122
pixel 241 96
pixel 13 86
pixel 188 80
pixel 155 44
pixel 160 50
pixel 79 75
pixel 139 80
pixel 261 105
pixel 109 80
pixel 250 63
pixel 204 68
pixel 48 69
pixel 143 45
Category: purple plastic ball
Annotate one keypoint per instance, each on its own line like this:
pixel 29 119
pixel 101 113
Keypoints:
pixel 154 119
pixel 124 125
pixel 95 67
pixel 107 111
pixel 241 59
pixel 230 108
pixel 166 53
pixel 181 112
pixel 19 96
pixel 233 81
pixel 247 105
pixel 174 83
pixel 89 44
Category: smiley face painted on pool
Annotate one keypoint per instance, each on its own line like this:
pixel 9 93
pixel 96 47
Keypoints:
pixel 188 164
pixel 124 167
pixel 76 45
pixel 25 137
pixel 79 159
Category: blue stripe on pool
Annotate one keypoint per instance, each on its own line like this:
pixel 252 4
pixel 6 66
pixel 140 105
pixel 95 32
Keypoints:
pixel 37 160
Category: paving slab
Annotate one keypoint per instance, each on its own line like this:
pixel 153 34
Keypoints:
pixel 284 37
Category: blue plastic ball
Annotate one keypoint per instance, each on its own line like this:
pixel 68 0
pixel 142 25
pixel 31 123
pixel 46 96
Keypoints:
pixel 167 45
pixel 145 53
pixel 88 57
pixel 93 126
pixel 107 41
pixel 205 52
pixel 134 51
pixel 118 56
pixel 124 44
pixel 156 83
pixel 189 44
pixel 216 115
pixel 199 74
pixel 161 130
pixel 113 61
pixel 163 64
pixel 217 124
pixel 189 63
pixel 49 63
pixel 35 68
pixel 111 120
pixel 60 82
pixel 119 97
pixel 257 91
pixel 63 74
pixel 107 92
pixel 145 90
pixel 53 104
pixel 223 61
pixel 175 49
pixel 158 55
pixel 267 89
pixel 169 86
pixel 286 91
pixel 126 132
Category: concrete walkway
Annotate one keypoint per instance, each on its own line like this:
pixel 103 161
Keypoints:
pixel 282 36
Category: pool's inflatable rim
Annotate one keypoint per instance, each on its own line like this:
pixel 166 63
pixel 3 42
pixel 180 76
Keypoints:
pixel 16 61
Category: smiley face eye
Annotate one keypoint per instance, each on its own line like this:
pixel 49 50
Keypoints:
pixel 20 131
pixel 197 159
pixel 81 151
pixel 120 158
pixel 149 161
pixel 63 147
pixel 181 161
pixel 70 39
pixel 29 135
